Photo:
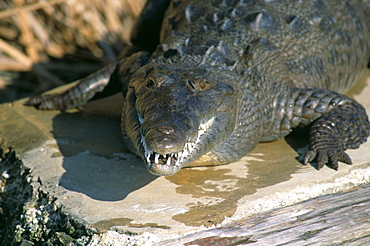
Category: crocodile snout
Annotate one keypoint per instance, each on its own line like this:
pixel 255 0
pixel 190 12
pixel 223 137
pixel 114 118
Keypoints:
pixel 165 139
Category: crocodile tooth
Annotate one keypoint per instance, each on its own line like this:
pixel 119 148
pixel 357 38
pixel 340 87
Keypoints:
pixel 187 146
pixel 156 158
pixel 168 161
pixel 185 152
pixel 190 147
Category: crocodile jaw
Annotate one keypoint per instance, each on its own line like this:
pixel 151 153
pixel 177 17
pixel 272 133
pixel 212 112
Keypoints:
pixel 170 163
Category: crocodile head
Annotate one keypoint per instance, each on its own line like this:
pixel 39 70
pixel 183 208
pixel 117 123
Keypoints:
pixel 174 115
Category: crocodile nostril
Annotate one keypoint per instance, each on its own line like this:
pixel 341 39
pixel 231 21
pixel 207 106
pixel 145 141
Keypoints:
pixel 165 139
pixel 164 143
pixel 166 130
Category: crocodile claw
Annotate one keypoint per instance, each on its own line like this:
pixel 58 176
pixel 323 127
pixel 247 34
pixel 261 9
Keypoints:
pixel 39 102
pixel 324 156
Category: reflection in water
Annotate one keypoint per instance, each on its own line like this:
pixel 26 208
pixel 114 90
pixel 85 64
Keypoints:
pixel 219 188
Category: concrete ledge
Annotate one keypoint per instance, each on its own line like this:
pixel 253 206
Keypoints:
pixel 80 159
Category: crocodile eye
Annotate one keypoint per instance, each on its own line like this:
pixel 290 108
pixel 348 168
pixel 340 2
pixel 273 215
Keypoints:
pixel 155 80
pixel 150 83
pixel 200 84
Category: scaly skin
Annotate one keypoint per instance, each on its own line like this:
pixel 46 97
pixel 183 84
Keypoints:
pixel 227 74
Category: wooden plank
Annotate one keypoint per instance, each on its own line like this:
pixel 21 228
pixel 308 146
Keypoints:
pixel 338 219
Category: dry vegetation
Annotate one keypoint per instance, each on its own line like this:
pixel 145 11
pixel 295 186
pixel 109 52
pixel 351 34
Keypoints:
pixel 46 43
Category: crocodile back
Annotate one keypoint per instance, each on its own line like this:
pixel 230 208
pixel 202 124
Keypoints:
pixel 315 43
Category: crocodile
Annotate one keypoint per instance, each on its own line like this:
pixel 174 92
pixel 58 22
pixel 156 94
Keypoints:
pixel 205 81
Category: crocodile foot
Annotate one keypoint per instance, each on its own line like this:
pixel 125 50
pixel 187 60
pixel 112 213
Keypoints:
pixel 327 155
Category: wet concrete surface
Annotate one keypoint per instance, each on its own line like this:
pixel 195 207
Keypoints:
pixel 80 158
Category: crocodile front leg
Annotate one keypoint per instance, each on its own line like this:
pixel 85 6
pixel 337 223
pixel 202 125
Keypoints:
pixel 338 123
pixel 77 95
pixel 97 85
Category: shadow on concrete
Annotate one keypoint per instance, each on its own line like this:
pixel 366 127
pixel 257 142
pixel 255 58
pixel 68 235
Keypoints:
pixel 99 165
pixel 96 161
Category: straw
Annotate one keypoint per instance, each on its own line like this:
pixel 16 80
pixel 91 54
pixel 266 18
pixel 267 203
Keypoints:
pixel 34 31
